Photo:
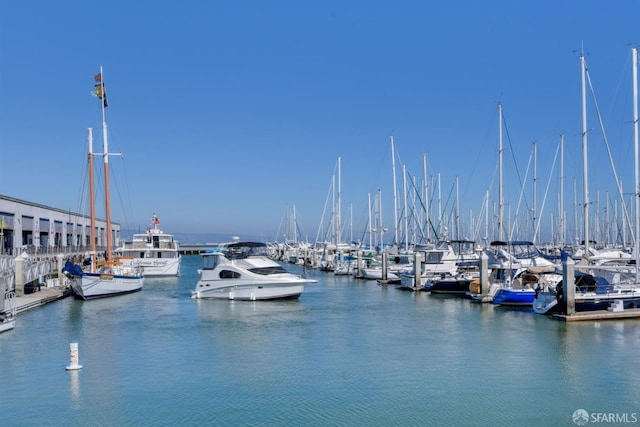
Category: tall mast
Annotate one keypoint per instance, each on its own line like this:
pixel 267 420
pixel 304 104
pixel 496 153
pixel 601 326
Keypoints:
pixel 395 195
pixel 439 208
pixel 338 213
pixel 426 195
pixel 405 216
pixel 92 202
pixel 382 230
pixel 562 242
pixel 637 166
pixel 458 234
pixel 500 195
pixel 535 183
pixel 486 218
pixel 369 214
pixel 105 143
pixel 585 174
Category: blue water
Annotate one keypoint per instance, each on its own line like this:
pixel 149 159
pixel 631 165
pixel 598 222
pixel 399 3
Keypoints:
pixel 348 353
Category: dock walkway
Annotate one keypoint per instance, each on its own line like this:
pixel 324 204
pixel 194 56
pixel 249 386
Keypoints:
pixel 39 298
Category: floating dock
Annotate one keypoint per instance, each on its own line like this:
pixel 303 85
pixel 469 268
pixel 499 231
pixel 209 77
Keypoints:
pixel 629 313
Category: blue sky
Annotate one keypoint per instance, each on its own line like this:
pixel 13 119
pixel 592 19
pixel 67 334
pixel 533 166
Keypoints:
pixel 228 112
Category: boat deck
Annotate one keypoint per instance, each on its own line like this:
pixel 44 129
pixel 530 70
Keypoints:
pixel 629 313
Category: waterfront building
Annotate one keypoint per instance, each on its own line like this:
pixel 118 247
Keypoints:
pixel 35 228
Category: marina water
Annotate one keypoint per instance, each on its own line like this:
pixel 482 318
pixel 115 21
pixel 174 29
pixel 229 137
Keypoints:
pixel 348 352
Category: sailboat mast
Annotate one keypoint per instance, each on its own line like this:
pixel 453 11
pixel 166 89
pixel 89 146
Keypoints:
pixel 562 190
pixel 637 166
pixel 369 213
pixel 395 192
pixel 426 195
pixel 500 196
pixel 105 156
pixel 92 202
pixel 535 186
pixel 339 206
pixel 585 175
pixel 405 216
pixel 458 233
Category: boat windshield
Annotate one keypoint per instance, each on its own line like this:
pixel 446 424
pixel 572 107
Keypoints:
pixel 244 250
pixel 268 270
pixel 210 261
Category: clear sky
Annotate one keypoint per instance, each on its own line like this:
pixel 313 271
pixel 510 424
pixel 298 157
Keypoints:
pixel 230 112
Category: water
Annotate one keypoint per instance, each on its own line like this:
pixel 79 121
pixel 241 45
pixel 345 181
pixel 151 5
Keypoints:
pixel 347 353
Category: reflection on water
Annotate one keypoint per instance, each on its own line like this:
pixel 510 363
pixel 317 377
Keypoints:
pixel 250 311
pixel 74 389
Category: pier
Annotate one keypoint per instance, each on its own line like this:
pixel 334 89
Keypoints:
pixel 630 313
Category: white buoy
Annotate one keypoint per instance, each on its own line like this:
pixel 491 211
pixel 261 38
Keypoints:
pixel 73 366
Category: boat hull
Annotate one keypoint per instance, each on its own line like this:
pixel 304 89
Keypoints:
pixel 7 324
pixel 547 302
pixel 96 285
pixel 514 297
pixel 376 274
pixel 248 291
pixel 450 286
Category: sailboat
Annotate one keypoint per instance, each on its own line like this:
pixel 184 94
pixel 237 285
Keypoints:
pixel 595 292
pixel 109 277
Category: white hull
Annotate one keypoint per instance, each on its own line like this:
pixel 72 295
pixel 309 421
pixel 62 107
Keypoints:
pixel 155 267
pixel 8 316
pixel 242 271
pixel 376 274
pixel 96 285
pixel 155 251
pixel 249 291
pixel 7 324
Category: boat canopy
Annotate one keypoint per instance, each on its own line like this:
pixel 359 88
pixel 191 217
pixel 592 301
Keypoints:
pixel 241 250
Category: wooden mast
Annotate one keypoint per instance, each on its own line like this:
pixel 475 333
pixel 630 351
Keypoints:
pixel 92 202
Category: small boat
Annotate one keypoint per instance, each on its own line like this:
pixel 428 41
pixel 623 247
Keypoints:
pixel 453 285
pixel 444 260
pixel 243 271
pixel 155 251
pixel 522 290
pixel 398 265
pixel 591 293
pixel 109 277
pixel 8 314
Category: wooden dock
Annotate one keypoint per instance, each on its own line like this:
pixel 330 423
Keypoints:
pixel 629 313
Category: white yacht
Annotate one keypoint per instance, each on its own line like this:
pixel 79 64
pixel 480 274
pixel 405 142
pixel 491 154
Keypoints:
pixel 243 271
pixel 156 252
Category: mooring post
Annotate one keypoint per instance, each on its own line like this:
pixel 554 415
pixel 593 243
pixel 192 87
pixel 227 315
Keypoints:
pixel 417 267
pixel 59 270
pixel 19 275
pixel 359 264
pixel 384 266
pixel 569 285
pixel 484 275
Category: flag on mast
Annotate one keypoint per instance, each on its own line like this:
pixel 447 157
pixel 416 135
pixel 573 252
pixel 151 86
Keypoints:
pixel 99 89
